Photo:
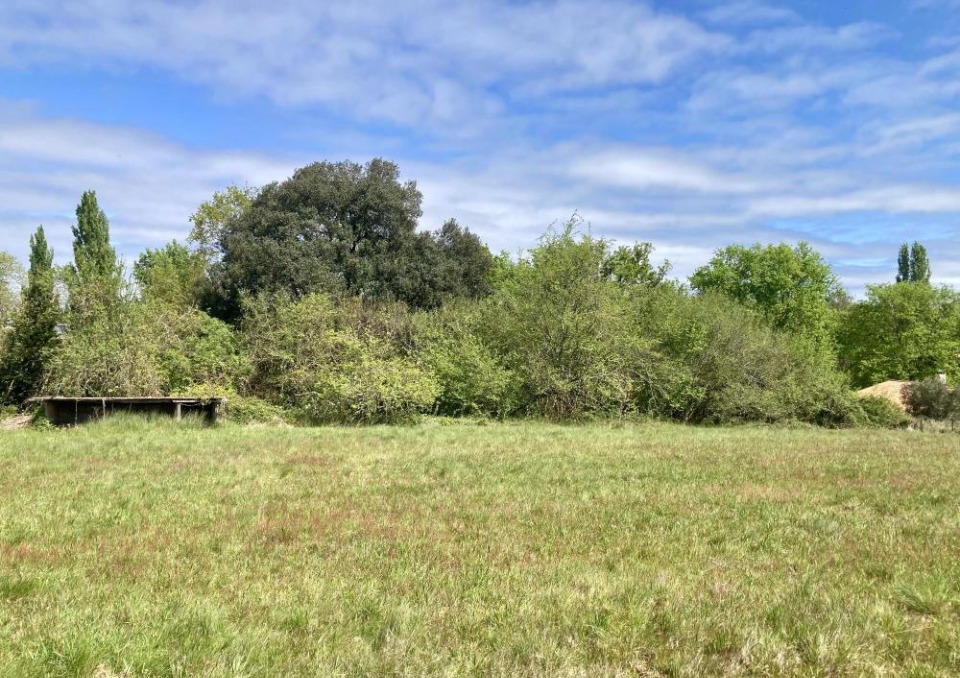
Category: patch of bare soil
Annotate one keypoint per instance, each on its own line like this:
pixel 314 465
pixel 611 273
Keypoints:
pixel 894 391
pixel 17 422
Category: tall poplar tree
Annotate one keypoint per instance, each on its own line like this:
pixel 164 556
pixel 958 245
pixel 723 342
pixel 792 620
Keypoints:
pixel 34 333
pixel 919 264
pixel 903 264
pixel 912 264
pixel 93 256
pixel 94 278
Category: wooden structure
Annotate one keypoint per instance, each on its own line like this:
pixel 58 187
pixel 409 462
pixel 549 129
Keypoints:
pixel 61 410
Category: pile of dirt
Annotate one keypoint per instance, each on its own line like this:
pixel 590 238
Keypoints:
pixel 16 422
pixel 894 391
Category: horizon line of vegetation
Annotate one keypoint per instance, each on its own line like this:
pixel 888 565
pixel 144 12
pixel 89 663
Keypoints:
pixel 318 299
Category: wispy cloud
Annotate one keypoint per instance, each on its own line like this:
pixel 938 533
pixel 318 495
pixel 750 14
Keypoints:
pixel 749 12
pixel 411 62
pixel 748 121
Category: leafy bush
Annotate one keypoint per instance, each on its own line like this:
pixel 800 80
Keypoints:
pixel 146 349
pixel 327 361
pixel 108 355
pixel 241 409
pixel 713 360
pixel 932 399
pixel 551 323
pixel 254 410
pixel 876 412
pixel 470 377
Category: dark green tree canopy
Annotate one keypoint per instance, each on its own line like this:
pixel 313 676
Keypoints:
pixel 335 227
pixel 903 264
pixel 919 264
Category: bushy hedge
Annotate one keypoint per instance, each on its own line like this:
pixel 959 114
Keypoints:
pixel 146 349
pixel 562 335
pixel 326 359
pixel 877 412
pixel 557 339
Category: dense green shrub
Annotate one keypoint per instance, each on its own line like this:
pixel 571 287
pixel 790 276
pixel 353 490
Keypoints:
pixel 254 410
pixel 876 412
pixel 552 322
pixel 241 409
pixel 714 360
pixel 316 356
pixel 470 376
pixel 147 349
pixel 109 355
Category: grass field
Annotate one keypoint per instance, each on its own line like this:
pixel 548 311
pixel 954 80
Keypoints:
pixel 147 548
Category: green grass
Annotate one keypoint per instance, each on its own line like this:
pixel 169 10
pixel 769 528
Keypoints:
pixel 147 548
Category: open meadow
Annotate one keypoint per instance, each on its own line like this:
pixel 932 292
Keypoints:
pixel 147 548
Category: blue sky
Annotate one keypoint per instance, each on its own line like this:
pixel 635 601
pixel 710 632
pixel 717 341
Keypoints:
pixel 691 124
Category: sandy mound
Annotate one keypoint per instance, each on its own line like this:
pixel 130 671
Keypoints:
pixel 894 391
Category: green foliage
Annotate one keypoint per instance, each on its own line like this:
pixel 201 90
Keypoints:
pixel 913 264
pixel 10 275
pixel 903 264
pixel 718 361
pixel 94 258
pixel 240 408
pixel 108 355
pixel 349 314
pixel 576 344
pixel 552 321
pixel 905 331
pixel 329 226
pixel 630 265
pixel 212 216
pixel 792 287
pixel 448 264
pixel 147 348
pixel 933 399
pixel 333 362
pixel 877 412
pixel 94 280
pixel 919 264
pixel 343 227
pixel 173 274
pixel 33 337
pixel 470 376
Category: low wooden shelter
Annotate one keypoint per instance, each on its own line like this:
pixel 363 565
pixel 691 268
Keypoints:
pixel 63 410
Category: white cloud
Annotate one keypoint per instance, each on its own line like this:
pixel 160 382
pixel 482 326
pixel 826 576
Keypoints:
pixel 148 186
pixel 686 202
pixel 417 62
pixel 510 116
pixel 659 170
pixel 849 37
pixel 749 12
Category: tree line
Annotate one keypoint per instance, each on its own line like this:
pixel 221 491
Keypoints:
pixel 318 299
